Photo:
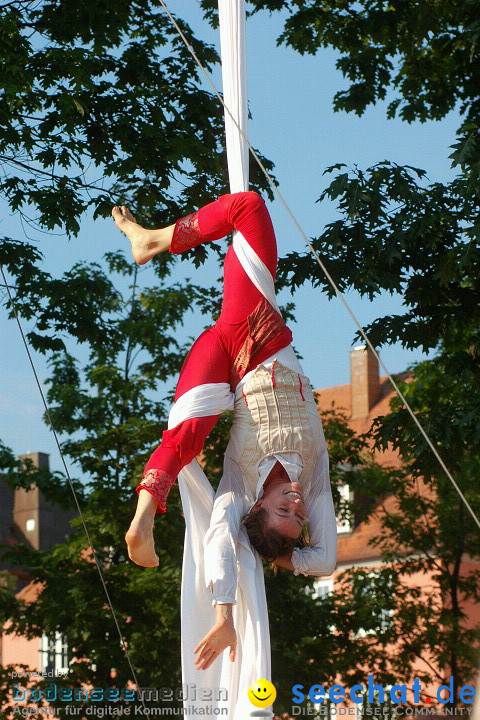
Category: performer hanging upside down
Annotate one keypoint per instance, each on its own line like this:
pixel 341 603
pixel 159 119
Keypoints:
pixel 276 464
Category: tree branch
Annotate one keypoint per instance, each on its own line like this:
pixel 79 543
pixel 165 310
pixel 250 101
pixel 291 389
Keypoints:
pixel 51 176
pixel 17 2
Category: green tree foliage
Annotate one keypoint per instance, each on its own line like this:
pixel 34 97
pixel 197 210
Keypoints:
pixel 102 102
pixel 425 53
pixel 393 234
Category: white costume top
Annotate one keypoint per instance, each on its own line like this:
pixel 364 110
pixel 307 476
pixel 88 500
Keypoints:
pixel 239 489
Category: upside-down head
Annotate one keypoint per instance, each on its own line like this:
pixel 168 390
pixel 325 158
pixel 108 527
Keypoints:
pixel 275 523
pixel 269 542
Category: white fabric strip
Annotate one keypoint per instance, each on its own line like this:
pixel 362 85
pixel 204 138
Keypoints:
pixel 201 401
pixel 234 76
pixel 255 268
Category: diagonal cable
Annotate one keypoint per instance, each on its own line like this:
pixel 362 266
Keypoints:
pixel 338 292
pixel 67 473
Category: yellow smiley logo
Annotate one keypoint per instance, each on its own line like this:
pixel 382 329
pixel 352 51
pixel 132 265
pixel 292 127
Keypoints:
pixel 262 693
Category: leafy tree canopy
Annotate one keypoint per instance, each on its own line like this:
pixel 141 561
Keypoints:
pixel 101 103
pixel 425 53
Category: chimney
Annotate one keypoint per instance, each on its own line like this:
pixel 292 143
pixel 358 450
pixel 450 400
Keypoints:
pixel 39 459
pixel 38 521
pixel 27 509
pixel 365 381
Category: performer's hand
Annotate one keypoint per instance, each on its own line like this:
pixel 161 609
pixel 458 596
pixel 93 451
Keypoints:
pixel 221 636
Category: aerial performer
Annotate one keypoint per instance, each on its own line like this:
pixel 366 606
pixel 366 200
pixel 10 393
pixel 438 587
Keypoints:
pixel 275 478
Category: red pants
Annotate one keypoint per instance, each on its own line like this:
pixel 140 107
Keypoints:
pixel 247 332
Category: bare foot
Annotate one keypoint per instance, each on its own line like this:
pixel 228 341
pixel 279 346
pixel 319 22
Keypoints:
pixel 141 548
pixel 145 243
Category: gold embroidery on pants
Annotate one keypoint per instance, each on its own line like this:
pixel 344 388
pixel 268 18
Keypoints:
pixel 265 324
pixel 186 234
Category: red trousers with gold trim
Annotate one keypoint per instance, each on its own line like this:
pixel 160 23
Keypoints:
pixel 247 332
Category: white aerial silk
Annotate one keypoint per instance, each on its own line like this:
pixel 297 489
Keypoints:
pixel 234 76
pixel 224 684
pixel 201 401
pixel 231 14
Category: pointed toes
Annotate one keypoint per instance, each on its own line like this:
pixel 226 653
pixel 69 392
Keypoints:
pixel 127 214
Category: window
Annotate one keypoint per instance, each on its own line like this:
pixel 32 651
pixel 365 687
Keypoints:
pixel 322 587
pixel 344 525
pixel 54 654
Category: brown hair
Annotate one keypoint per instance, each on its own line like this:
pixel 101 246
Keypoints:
pixel 268 542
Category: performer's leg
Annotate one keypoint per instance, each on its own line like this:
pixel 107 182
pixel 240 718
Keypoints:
pixel 247 213
pixel 250 328
pixel 244 211
pixel 207 362
pixel 251 218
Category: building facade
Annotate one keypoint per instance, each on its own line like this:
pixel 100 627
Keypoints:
pixel 26 516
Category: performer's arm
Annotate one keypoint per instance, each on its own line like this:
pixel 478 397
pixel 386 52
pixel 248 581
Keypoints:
pixel 220 557
pixel 220 543
pixel 319 557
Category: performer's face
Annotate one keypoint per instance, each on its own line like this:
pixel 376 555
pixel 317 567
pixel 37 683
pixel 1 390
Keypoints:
pixel 284 503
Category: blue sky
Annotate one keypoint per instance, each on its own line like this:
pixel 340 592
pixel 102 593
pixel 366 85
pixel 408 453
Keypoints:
pixel 293 124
